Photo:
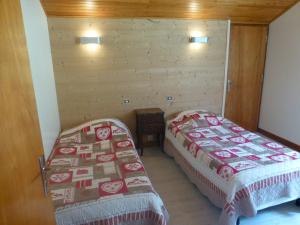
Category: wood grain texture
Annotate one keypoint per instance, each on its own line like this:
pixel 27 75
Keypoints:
pixel 239 11
pixel 141 60
pixel 21 197
pixel 246 68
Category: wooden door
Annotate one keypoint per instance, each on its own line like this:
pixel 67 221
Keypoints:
pixel 21 193
pixel 245 74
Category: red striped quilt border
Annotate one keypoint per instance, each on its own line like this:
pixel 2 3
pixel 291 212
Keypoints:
pixel 156 218
pixel 270 181
pixel 245 192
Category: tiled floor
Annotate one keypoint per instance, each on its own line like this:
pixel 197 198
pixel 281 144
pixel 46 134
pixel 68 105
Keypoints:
pixel 187 206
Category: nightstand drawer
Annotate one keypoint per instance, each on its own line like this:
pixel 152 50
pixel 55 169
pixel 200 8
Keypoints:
pixel 151 118
pixel 152 128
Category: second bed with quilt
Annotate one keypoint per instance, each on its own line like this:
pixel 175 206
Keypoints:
pixel 239 171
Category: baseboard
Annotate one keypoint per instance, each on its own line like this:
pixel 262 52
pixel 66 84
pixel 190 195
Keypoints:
pixel 279 139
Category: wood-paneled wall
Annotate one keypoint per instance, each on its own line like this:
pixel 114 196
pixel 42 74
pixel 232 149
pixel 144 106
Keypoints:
pixel 142 60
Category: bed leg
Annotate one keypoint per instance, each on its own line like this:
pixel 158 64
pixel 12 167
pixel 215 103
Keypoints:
pixel 298 202
pixel 238 221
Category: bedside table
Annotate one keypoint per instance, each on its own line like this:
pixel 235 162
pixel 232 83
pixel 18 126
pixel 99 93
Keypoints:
pixel 150 121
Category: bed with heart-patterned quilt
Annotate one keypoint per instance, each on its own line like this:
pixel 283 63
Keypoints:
pixel 96 177
pixel 239 171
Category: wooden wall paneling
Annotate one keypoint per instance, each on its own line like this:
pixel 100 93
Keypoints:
pixel 141 60
pixel 22 200
pixel 239 11
pixel 246 68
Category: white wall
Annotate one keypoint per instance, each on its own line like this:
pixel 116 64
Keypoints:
pixel 280 109
pixel 38 44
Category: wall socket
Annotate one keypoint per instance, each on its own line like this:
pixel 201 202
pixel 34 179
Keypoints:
pixel 126 101
pixel 169 98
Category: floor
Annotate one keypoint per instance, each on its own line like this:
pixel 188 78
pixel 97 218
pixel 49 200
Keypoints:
pixel 187 206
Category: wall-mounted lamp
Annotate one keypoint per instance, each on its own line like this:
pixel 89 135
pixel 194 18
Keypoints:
pixel 198 39
pixel 90 40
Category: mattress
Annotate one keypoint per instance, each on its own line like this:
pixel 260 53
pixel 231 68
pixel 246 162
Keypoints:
pixel 96 177
pixel 240 171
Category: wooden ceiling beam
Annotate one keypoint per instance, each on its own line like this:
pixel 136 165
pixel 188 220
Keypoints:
pixel 239 11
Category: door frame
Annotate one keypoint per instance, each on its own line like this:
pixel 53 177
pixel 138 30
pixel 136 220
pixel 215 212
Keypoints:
pixel 226 69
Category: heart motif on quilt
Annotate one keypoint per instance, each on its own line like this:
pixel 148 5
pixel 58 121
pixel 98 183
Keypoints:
pixel 274 145
pixel 59 178
pixel 66 150
pixel 280 157
pixel 238 139
pixel 126 153
pixel 123 144
pixel 82 171
pixel 133 166
pixel 112 187
pixel 105 158
pixel 223 154
pixel 237 129
pixel 103 133
pixel 226 171
pixel 213 121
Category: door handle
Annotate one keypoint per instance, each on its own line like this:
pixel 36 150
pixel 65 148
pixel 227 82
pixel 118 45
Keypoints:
pixel 43 171
pixel 229 84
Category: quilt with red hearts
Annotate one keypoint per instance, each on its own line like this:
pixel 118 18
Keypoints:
pixel 96 161
pixel 235 168
pixel 225 147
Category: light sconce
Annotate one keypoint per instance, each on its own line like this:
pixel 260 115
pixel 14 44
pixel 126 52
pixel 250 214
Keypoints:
pixel 90 40
pixel 198 39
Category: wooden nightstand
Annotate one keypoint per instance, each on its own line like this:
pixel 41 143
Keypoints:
pixel 149 121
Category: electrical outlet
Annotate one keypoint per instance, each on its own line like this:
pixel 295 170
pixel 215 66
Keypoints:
pixel 169 98
pixel 126 101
